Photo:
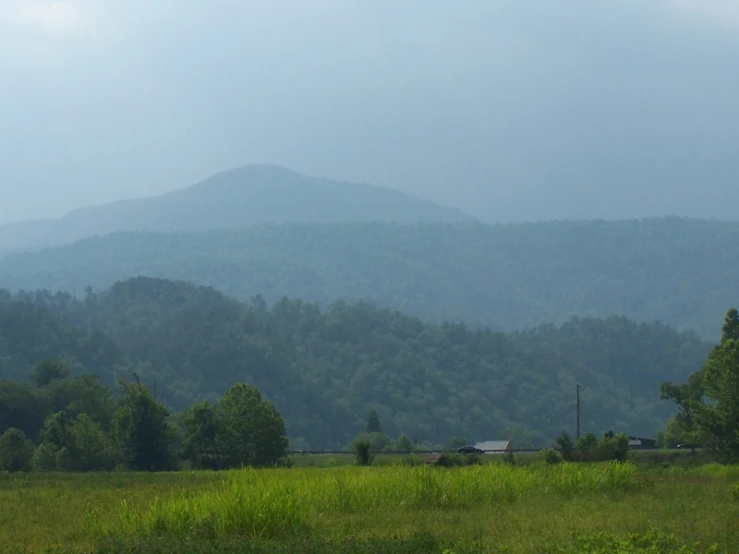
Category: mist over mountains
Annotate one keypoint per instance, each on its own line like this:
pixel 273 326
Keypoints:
pixel 314 271
pixel 325 368
pixel 236 198
pixel 269 231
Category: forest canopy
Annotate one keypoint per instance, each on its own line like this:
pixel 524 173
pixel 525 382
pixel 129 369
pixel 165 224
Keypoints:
pixel 499 276
pixel 325 369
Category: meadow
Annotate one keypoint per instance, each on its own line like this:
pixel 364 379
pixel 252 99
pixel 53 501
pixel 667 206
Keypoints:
pixel 491 508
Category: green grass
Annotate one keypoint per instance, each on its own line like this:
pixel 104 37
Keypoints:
pixel 569 508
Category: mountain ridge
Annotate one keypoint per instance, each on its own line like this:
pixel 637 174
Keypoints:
pixel 513 276
pixel 234 198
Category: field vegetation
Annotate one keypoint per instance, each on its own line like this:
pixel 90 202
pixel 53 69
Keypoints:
pixel 496 507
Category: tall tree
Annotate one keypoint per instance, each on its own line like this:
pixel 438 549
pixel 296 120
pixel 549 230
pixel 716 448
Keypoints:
pixel 57 435
pixel 252 430
pixel 683 426
pixel 49 370
pixel 141 431
pixel 373 422
pixel 92 446
pixel 717 414
pixel 203 435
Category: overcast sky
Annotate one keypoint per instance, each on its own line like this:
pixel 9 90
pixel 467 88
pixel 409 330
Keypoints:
pixel 507 109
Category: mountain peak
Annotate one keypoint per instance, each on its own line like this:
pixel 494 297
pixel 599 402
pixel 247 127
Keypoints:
pixel 235 198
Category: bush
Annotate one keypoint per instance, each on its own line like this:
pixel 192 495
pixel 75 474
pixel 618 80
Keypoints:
pixel 648 543
pixel 362 454
pixel 448 460
pixel 551 456
pixel 566 446
pixel 612 448
pixel 734 491
pixel 590 449
pixel 458 460
pixel 587 444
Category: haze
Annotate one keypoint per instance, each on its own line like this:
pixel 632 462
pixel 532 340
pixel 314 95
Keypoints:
pixel 507 110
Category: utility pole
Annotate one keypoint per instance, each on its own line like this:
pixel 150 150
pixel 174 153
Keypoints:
pixel 577 393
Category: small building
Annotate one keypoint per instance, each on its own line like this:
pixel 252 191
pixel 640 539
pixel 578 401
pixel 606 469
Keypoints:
pixel 641 443
pixel 494 447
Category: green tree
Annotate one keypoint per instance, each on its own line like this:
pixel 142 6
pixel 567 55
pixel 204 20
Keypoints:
pixel 404 444
pixel 202 436
pixel 682 427
pixel 566 446
pixel 16 451
pixel 89 396
pixel 141 432
pixel 587 444
pixel 716 415
pixel 92 447
pixel 252 432
pixel 49 370
pixel 56 434
pixel 373 422
pixel 44 458
pixel 362 452
pixel 377 441
pixel 21 408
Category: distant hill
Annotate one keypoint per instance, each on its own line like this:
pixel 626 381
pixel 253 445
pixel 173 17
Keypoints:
pixel 325 368
pixel 233 199
pixel 678 271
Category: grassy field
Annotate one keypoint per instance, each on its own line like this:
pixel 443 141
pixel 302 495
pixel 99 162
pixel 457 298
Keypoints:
pixel 565 509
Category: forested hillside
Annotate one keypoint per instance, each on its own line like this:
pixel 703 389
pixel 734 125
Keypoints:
pixel 233 199
pixel 324 369
pixel 677 271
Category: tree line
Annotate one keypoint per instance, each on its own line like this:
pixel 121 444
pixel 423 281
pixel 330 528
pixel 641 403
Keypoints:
pixel 61 422
pixel 499 276
pixel 68 423
pixel 325 368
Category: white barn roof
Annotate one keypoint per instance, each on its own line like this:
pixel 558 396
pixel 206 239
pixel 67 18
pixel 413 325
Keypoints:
pixel 493 446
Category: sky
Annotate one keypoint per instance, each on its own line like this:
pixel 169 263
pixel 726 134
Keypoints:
pixel 508 109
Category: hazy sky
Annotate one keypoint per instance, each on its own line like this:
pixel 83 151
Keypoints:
pixel 508 109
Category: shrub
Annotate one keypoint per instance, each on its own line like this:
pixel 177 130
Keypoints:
pixel 611 448
pixel 551 456
pixel 404 444
pixel 566 446
pixel 362 454
pixel 458 460
pixel 448 460
pixel 651 542
pixel 734 491
pixel 587 444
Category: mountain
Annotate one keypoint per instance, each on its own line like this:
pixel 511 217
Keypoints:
pixel 325 369
pixel 678 271
pixel 233 199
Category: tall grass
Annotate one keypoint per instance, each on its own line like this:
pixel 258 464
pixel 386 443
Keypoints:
pixel 272 503
pixel 495 508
